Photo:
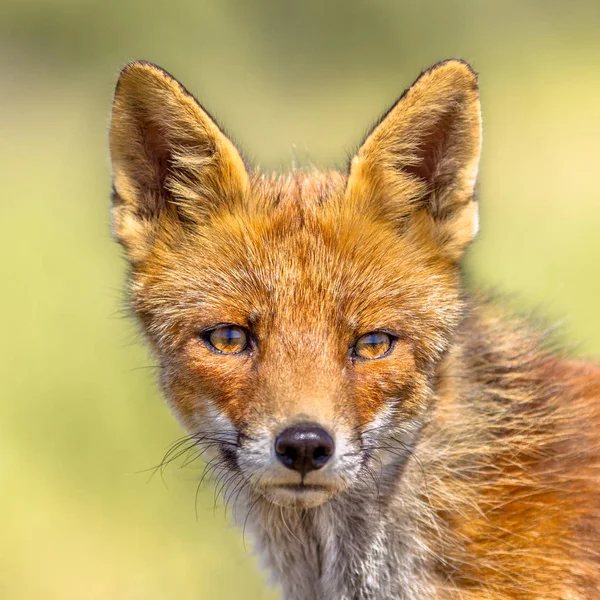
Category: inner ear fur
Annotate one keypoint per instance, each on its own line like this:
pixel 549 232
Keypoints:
pixel 170 161
pixel 419 165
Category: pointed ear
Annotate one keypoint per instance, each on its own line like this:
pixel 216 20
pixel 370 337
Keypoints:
pixel 171 163
pixel 419 165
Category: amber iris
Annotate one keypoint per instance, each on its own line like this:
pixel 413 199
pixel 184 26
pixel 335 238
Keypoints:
pixel 228 339
pixel 373 345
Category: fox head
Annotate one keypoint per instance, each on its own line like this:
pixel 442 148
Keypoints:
pixel 298 320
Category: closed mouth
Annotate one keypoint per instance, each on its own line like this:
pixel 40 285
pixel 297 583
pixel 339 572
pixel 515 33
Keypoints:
pixel 300 488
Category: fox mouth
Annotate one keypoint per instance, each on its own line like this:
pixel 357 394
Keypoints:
pixel 302 488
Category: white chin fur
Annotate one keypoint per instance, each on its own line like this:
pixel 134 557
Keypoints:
pixel 302 497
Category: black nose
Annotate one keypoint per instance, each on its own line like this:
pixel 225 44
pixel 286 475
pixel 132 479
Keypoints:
pixel 304 448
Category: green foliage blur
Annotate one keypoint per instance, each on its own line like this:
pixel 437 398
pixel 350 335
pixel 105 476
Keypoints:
pixel 80 417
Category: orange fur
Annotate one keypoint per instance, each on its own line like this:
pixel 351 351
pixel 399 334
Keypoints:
pixel 502 481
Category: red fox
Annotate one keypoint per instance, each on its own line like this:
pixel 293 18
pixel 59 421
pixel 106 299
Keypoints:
pixel 384 433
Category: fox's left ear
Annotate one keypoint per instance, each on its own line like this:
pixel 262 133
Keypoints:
pixel 419 165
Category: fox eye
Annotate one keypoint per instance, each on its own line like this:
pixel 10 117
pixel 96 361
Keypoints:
pixel 228 339
pixel 373 345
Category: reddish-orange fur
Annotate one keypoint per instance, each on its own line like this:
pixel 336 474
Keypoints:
pixel 529 519
pixel 499 496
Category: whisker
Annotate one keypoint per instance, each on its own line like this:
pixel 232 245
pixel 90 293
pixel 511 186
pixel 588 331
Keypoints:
pixel 246 521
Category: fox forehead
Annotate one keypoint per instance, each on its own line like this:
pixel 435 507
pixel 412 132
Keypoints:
pixel 293 256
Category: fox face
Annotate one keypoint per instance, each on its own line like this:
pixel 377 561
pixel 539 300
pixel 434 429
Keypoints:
pixel 298 320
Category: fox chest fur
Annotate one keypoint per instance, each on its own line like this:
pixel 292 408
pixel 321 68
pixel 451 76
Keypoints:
pixel 383 434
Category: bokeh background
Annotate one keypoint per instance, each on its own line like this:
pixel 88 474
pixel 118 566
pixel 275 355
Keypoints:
pixel 80 418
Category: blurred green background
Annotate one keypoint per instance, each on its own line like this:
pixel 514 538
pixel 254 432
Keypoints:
pixel 79 413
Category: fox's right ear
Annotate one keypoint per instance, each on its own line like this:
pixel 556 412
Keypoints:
pixel 171 163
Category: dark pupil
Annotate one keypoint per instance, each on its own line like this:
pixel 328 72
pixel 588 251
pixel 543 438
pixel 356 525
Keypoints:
pixel 232 335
